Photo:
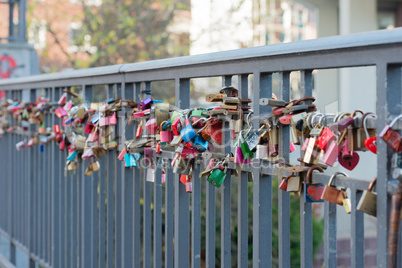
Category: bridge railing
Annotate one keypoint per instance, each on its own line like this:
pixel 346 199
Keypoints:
pixel 116 218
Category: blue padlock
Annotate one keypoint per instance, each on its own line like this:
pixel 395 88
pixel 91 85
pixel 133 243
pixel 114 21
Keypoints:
pixel 130 160
pixel 71 156
pixel 188 132
pixel 200 143
pixel 69 120
pixel 95 118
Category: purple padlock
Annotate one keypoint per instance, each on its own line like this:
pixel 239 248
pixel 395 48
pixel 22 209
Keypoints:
pixel 144 104
pixel 148 154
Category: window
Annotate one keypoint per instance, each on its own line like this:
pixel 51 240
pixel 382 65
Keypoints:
pixel 37 34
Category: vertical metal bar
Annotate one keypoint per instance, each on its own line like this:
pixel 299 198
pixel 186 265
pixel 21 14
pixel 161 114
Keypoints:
pixel 242 198
pixel 102 212
pixel 136 200
pixel 11 212
pixel 330 234
pixel 118 196
pixel 169 216
pixel 356 232
pixel 79 190
pixel 147 223
pixel 283 197
pixel 181 220
pixel 49 182
pixel 306 211
pixel 262 187
pixel 86 203
pixel 158 217
pixel 196 219
pixel 210 225
pixel 225 192
pixel 388 104
pixel 128 188
pixel 75 214
pixel 110 201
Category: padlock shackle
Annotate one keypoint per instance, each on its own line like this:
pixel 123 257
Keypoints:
pixel 334 175
pixel 290 176
pixel 395 120
pixel 357 111
pixel 372 183
pixel 364 119
pixel 309 179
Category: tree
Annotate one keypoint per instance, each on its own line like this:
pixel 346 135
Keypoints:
pixel 132 31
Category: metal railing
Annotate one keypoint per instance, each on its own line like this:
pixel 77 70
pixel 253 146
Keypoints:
pixel 95 221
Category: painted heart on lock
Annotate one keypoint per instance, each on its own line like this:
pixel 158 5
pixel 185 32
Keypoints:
pixel 351 163
pixel 371 144
pixel 315 192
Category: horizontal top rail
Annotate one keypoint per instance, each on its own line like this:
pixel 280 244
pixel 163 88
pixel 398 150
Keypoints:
pixel 383 38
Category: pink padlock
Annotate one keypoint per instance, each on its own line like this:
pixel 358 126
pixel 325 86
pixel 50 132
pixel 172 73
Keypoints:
pixel 188 153
pixel 103 121
pixel 60 112
pixel 68 106
pixel 148 155
pixel 121 154
pixel 62 99
pixel 87 154
pixel 165 135
pixel 151 126
pixel 239 158
pixel 113 119
pixel 62 145
pixel 331 154
pixel 292 147
pixel 93 136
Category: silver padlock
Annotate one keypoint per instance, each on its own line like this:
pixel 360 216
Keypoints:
pixel 182 166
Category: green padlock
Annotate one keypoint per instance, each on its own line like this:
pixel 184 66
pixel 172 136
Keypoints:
pixel 197 113
pixel 247 153
pixel 217 177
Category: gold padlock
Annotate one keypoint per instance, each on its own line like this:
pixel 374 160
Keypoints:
pixel 368 201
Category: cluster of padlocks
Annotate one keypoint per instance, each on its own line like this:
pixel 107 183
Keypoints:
pixel 88 132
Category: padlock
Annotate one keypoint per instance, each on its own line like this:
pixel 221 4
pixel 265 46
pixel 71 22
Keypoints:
pixel 331 193
pixel 129 160
pixel 150 174
pixel 94 165
pixel 151 126
pixel 95 118
pixel 368 200
pixel 333 150
pixel 67 107
pixel 313 191
pixel 103 121
pixel 396 166
pixel 72 165
pixel 325 139
pixel 93 136
pixel 214 130
pixel 182 166
pixel 113 119
pixel 189 184
pixel 60 112
pixel 239 157
pixel 200 143
pixel 261 152
pixel 148 155
pixel 343 123
pixel 347 204
pixel 62 99
pixel 165 134
pixel 284 184
pixel 139 130
pixel 308 155
pixel 293 183
pixel 247 154
pixel 273 149
pixel 145 104
pixel 188 153
pixel 217 177
pixel 370 142
pixel 88 170
pixel 360 134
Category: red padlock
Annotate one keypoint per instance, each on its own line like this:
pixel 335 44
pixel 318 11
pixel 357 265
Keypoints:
pixel 325 139
pixel 392 137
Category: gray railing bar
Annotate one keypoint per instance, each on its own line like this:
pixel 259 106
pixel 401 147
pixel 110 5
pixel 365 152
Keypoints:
pixel 356 232
pixel 157 231
pixel 78 190
pixel 169 216
pixel 94 219
pixel 30 178
pixel 75 213
pixel 110 172
pixel 118 184
pixel 283 197
pixel 102 212
pixel 48 186
pixel 330 231
pixel 128 188
pixel 242 198
pixel 306 216
pixel 196 219
pixel 86 227
pixel 226 193
pixel 181 213
pixel 136 199
pixel 147 196
pixel 262 185
pixel 210 225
